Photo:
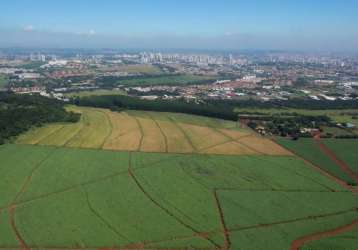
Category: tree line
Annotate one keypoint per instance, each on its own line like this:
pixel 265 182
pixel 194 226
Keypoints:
pixel 118 103
pixel 19 113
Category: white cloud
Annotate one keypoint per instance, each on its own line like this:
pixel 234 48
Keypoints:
pixel 29 28
pixel 92 32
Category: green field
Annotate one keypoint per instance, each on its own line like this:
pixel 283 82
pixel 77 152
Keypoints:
pixel 56 197
pixel 343 241
pixel 308 149
pixel 94 93
pixel 166 80
pixel 346 150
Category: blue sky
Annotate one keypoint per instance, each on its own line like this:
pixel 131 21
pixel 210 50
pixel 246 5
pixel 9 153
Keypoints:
pixel 288 24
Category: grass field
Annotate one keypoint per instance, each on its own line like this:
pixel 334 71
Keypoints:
pixel 58 197
pixel 309 149
pixel 152 132
pixel 156 180
pixel 97 92
pixel 344 241
pixel 346 150
pixel 166 80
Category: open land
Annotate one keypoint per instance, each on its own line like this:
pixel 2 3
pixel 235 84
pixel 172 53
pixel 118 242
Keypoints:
pixel 157 180
pixel 152 132
pixel 66 198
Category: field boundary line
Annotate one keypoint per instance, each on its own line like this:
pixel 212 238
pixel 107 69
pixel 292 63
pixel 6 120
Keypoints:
pixel 323 171
pixel 141 133
pixel 170 205
pixel 110 129
pixel 232 229
pixel 90 182
pixel 12 206
pixel 98 215
pixel 47 136
pixel 87 183
pixel 331 155
pixel 28 179
pixel 222 221
pixel 132 175
pixel 162 132
pixel 250 147
pixel 223 143
pixel 279 190
pixel 12 222
pixel 186 136
pixel 306 218
pixel 296 244
pixel 305 176
pixel 82 121
pixel 237 140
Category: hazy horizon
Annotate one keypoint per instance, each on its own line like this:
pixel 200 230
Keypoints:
pixel 236 25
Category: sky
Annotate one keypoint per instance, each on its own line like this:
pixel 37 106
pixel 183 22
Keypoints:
pixel 325 25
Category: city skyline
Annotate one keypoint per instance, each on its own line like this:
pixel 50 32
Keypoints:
pixel 289 25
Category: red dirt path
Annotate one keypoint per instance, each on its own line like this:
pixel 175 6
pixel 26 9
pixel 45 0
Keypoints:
pixel 323 171
pixel 345 168
pixel 21 241
pixel 132 175
pixel 296 244
pixel 222 220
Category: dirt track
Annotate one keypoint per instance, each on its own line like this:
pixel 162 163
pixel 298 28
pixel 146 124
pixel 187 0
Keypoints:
pixel 345 168
pixel 222 220
pixel 296 244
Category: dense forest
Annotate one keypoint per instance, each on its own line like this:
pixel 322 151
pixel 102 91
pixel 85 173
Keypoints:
pixel 285 123
pixel 118 103
pixel 19 113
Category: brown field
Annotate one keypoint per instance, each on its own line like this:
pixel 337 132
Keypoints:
pixel 153 139
pixel 263 145
pixel 202 137
pixel 125 135
pixel 229 148
pixel 151 132
pixel 177 143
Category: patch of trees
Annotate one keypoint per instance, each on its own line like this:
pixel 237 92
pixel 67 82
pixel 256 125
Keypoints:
pixel 289 125
pixel 19 113
pixel 118 103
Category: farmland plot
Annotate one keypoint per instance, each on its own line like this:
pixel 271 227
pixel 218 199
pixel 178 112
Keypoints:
pixel 87 198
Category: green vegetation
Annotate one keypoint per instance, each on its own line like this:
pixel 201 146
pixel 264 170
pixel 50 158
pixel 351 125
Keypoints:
pixel 32 65
pixel 3 81
pixel 308 149
pixel 147 80
pixel 281 236
pixel 343 241
pixel 336 116
pixel 143 69
pixel 97 92
pixel 82 198
pixel 20 113
pixel 118 103
pixel 346 150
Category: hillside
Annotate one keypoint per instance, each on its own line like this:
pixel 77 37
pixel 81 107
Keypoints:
pixel 152 132
pixel 157 180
